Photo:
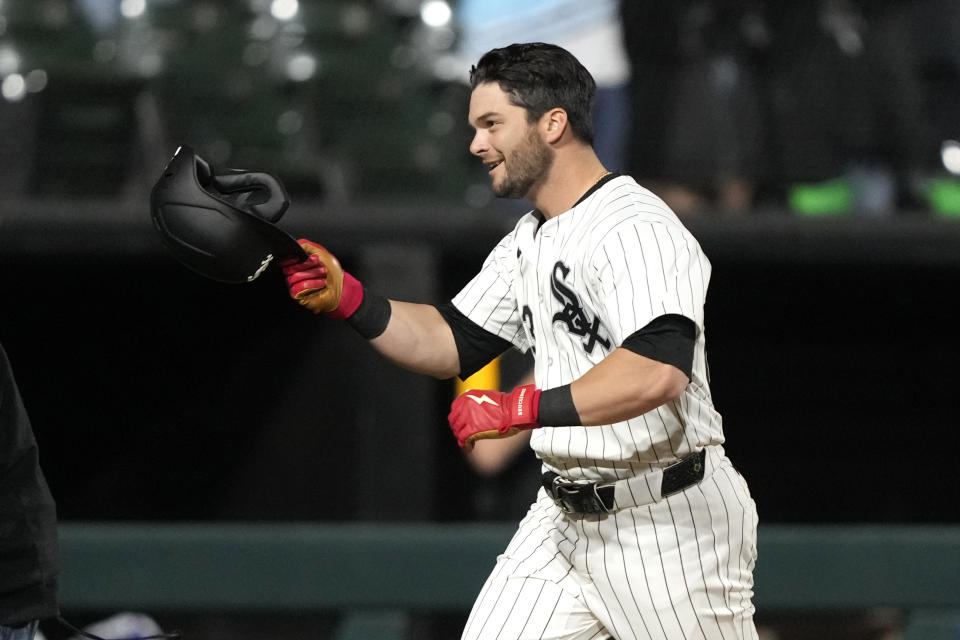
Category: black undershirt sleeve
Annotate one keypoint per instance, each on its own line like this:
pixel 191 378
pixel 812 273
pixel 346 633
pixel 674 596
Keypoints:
pixel 475 345
pixel 668 338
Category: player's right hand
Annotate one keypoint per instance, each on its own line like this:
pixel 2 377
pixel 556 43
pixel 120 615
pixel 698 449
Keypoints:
pixel 477 415
pixel 320 284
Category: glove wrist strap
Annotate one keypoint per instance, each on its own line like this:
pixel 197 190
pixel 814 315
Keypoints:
pixel 524 412
pixel 557 408
pixel 350 298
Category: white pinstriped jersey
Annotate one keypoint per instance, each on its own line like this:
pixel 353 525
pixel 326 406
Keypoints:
pixel 572 289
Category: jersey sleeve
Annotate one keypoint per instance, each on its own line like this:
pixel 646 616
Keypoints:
pixel 646 270
pixel 475 346
pixel 489 299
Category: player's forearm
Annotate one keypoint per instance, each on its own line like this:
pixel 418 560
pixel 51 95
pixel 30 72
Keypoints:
pixel 623 386
pixel 413 336
pixel 417 338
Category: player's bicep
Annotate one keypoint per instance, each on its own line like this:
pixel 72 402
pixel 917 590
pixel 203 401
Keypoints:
pixel 418 338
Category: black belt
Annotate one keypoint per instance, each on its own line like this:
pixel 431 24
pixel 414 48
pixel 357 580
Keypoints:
pixel 590 497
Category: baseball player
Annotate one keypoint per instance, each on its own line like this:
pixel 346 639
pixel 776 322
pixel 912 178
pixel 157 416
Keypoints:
pixel 643 528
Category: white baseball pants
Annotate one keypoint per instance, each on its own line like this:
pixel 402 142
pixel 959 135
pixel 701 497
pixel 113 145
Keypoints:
pixel 678 569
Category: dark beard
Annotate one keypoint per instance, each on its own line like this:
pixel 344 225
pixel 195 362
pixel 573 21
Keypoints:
pixel 526 166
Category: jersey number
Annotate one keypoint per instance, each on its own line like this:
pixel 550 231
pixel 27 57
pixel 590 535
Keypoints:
pixel 527 316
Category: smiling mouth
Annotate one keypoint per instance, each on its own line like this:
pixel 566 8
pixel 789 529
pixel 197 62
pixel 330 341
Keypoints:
pixel 494 165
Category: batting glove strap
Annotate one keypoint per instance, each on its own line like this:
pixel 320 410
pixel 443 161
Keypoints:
pixel 524 405
pixel 350 298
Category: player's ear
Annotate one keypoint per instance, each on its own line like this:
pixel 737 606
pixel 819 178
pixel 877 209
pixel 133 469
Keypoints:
pixel 554 123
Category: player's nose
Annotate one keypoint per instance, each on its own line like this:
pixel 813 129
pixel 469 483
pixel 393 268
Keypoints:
pixel 479 143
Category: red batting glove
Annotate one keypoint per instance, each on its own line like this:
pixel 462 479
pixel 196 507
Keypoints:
pixel 308 275
pixel 476 415
pixel 320 284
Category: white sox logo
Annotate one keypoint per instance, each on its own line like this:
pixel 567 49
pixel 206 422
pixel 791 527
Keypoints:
pixel 573 315
pixel 263 267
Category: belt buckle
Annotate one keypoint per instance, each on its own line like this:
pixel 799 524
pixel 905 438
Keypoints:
pixel 577 497
pixel 559 494
pixel 594 502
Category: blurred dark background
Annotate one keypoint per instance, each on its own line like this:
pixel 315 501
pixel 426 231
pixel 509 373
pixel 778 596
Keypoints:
pixel 812 147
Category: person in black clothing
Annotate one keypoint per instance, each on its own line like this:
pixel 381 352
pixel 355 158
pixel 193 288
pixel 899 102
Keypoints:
pixel 29 560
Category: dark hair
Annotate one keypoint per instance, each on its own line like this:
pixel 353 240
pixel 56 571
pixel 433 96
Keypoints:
pixel 540 77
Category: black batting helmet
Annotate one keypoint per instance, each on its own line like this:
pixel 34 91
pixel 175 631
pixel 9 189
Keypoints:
pixel 221 225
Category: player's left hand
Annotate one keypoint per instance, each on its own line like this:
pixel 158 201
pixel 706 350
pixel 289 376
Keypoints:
pixel 476 415
pixel 320 284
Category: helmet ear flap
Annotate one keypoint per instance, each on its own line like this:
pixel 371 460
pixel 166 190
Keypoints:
pixel 257 192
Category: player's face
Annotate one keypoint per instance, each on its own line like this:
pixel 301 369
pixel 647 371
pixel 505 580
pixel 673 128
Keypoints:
pixel 510 146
